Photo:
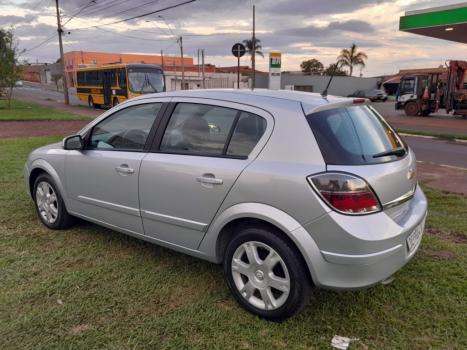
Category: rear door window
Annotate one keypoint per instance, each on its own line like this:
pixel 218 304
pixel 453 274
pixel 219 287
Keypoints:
pixel 353 135
pixel 199 129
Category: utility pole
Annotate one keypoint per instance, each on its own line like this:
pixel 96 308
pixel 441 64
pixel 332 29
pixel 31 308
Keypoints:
pixel 162 59
pixel 62 59
pixel 198 65
pixel 202 72
pixel 253 54
pixel 180 41
pixel 175 74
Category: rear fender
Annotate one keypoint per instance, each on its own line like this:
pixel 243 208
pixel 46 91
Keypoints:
pixel 292 228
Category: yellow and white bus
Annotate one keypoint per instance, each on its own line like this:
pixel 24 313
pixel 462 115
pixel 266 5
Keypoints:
pixel 113 84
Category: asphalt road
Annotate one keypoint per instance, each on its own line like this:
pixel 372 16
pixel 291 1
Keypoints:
pixel 438 151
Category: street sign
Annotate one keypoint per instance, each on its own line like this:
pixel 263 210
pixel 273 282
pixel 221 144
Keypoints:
pixel 238 50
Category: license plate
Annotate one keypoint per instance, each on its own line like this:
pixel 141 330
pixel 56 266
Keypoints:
pixel 415 237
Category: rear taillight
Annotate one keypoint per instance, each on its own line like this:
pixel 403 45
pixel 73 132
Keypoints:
pixel 358 101
pixel 345 193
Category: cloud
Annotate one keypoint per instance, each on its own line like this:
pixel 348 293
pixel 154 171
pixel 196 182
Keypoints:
pixel 331 29
pixel 300 29
pixel 312 8
pixel 12 19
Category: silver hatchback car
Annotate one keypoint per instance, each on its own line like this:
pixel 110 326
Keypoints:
pixel 288 190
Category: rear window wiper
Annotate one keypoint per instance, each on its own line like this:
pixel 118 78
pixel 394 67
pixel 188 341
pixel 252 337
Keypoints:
pixel 399 152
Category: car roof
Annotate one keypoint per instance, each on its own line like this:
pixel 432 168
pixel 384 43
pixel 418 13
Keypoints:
pixel 262 98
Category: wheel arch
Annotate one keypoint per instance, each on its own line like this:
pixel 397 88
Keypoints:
pixel 223 228
pixel 41 166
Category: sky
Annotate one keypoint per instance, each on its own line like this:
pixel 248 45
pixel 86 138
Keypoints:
pixel 300 29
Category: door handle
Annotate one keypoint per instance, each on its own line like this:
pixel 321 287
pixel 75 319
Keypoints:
pixel 209 179
pixel 124 170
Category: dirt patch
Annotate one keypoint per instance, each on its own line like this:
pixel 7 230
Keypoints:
pixel 10 129
pixel 456 237
pixel 441 254
pixel 79 329
pixel 442 178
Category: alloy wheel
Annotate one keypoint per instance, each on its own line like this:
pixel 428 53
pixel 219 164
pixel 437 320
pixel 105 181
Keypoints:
pixel 47 202
pixel 260 275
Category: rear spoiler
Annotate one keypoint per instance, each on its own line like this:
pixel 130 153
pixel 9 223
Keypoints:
pixel 334 103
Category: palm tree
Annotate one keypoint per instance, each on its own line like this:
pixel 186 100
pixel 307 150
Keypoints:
pixel 249 47
pixel 351 58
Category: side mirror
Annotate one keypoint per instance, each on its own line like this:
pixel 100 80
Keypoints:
pixel 74 142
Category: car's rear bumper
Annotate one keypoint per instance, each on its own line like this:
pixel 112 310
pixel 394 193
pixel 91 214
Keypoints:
pixel 365 258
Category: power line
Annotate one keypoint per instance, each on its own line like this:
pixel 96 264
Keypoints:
pixel 104 6
pixel 89 3
pixel 130 36
pixel 170 29
pixel 40 44
pixel 132 8
pixel 140 16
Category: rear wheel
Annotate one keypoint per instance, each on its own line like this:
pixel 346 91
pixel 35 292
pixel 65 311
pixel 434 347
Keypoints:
pixel 265 273
pixel 49 203
pixel 115 102
pixel 412 109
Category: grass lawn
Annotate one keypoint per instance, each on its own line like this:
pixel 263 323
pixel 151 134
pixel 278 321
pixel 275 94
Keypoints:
pixel 25 110
pixel 92 288
pixel 442 136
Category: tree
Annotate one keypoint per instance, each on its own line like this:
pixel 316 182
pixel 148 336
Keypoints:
pixel 10 72
pixel 249 47
pixel 351 58
pixel 312 66
pixel 334 69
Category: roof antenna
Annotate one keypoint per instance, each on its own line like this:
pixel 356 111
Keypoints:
pixel 324 94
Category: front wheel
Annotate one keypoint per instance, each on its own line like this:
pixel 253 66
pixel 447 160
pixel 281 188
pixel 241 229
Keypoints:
pixel 412 109
pixel 265 273
pixel 49 203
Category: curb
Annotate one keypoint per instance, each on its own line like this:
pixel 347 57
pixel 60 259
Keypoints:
pixel 431 137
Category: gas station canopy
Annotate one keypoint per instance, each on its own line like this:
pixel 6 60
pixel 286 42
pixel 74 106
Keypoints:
pixel 446 22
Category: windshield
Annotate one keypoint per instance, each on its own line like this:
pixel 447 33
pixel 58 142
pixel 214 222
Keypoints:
pixel 145 81
pixel 407 86
pixel 354 135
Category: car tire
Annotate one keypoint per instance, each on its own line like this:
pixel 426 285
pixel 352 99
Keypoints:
pixel 276 284
pixel 411 109
pixel 49 204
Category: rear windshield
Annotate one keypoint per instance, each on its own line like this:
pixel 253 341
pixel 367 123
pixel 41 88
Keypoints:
pixel 353 135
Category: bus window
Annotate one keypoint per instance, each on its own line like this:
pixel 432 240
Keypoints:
pixel 80 78
pixel 113 77
pixel 122 79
